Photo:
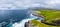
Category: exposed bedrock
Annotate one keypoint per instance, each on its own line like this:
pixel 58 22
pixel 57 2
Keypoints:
pixel 54 23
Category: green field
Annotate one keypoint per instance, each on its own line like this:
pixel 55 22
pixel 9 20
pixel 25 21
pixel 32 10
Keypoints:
pixel 49 15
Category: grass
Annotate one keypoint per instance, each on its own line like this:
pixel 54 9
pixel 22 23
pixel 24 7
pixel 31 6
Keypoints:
pixel 49 16
pixel 39 24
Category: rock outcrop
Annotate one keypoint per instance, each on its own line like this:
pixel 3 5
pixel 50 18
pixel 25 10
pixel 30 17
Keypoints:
pixel 27 24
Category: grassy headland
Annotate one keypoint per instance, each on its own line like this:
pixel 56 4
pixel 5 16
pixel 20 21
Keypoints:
pixel 50 16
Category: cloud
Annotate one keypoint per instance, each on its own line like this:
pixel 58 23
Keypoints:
pixel 17 4
pixel 51 4
pixel 24 4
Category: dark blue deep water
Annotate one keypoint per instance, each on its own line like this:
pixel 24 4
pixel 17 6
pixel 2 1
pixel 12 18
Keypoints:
pixel 8 16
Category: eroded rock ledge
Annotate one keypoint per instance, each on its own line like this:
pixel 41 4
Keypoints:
pixel 54 23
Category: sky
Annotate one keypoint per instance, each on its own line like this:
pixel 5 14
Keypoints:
pixel 25 4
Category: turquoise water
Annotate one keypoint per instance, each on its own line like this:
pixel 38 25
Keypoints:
pixel 9 25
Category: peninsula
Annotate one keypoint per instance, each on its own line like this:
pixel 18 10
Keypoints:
pixel 51 18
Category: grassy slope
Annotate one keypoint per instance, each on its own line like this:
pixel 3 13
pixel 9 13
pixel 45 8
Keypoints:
pixel 39 24
pixel 49 16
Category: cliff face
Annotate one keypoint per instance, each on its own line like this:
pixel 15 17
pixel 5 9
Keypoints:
pixel 28 24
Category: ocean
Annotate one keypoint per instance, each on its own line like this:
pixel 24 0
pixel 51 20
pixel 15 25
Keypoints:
pixel 15 18
pixel 12 16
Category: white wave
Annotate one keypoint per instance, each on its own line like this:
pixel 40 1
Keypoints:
pixel 21 24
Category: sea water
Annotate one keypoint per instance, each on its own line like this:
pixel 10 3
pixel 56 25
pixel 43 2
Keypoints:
pixel 22 23
pixel 22 17
pixel 6 15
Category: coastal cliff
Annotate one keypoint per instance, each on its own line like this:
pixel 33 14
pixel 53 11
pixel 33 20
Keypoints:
pixel 51 18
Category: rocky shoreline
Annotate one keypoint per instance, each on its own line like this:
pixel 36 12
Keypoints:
pixel 28 24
